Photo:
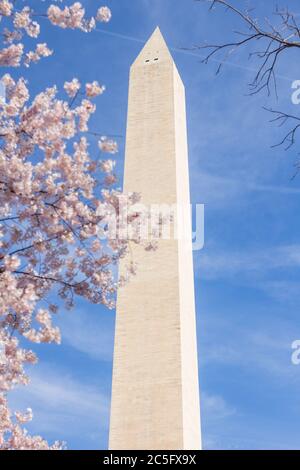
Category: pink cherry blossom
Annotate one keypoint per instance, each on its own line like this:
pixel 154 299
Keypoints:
pixel 103 14
pixel 48 210
pixel 22 20
pixel 42 50
pixel 72 87
pixel 94 89
pixel 108 145
pixel 11 263
pixel 70 17
pixel 11 36
pixel 6 8
pixel 11 56
pixel 110 179
pixel 24 417
pixel 107 165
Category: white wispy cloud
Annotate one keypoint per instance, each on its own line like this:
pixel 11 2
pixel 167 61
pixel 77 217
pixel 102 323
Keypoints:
pixel 215 413
pixel 215 406
pixel 62 404
pixel 261 347
pixel 256 262
pixel 286 291
pixel 220 192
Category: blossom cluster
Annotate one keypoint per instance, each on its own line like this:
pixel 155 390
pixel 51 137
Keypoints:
pixel 49 216
pixel 51 191
pixel 74 17
pixel 21 21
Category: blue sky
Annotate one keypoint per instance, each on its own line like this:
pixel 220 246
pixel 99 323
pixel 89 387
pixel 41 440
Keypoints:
pixel 247 277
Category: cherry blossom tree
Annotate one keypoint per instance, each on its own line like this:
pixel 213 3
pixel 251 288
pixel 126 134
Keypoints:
pixel 55 197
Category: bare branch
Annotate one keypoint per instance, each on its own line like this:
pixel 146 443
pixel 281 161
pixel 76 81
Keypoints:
pixel 272 37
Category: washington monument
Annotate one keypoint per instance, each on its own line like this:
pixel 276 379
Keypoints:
pixel 155 392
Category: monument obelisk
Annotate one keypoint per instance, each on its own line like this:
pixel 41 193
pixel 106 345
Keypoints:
pixel 155 392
